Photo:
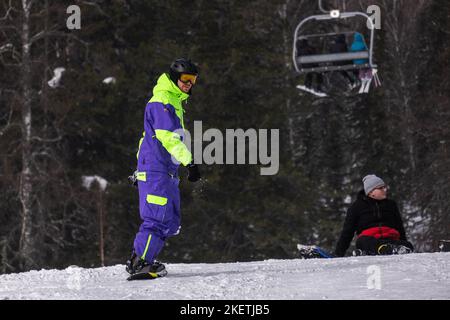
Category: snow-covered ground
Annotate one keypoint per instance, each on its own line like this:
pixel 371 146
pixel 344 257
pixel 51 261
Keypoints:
pixel 413 276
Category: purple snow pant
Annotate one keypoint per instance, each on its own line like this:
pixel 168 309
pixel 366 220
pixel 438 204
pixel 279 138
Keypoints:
pixel 159 206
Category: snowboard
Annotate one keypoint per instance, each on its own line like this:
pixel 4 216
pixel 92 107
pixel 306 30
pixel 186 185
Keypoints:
pixel 365 85
pixel 313 252
pixel 147 275
pixel 312 91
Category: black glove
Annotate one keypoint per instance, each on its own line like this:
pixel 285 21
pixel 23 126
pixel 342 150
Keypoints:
pixel 133 179
pixel 194 173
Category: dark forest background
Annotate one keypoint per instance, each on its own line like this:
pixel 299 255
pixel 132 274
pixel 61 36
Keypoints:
pixel 51 137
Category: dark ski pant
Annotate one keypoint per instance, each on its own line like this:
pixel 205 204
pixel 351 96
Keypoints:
pixel 370 244
pixel 159 206
pixel 310 75
pixel 309 80
pixel 346 75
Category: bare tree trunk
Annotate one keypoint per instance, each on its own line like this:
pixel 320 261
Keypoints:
pixel 286 16
pixel 286 42
pixel 401 22
pixel 4 258
pixel 101 216
pixel 26 188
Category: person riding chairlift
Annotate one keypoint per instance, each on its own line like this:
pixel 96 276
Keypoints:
pixel 304 48
pixel 358 44
pixel 340 46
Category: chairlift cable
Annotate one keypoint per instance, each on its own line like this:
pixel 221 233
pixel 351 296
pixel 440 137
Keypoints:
pixel 328 11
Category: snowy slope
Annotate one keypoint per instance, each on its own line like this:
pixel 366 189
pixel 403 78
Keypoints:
pixel 413 276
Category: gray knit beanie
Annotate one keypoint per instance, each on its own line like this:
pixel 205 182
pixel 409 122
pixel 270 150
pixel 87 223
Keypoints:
pixel 371 181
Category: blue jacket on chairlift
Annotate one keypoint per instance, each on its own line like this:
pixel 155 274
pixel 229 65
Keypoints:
pixel 359 45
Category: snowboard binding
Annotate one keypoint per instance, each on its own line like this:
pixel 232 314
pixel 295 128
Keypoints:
pixel 389 249
pixel 312 252
pixel 140 269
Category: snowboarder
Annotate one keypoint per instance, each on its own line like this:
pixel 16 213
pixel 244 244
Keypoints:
pixel 376 221
pixel 161 150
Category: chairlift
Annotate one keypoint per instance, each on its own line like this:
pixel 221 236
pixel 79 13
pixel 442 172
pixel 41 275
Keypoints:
pixel 331 62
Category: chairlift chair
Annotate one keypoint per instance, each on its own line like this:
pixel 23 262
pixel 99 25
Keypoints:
pixel 326 62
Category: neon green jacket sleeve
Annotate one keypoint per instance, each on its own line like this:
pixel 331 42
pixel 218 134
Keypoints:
pixel 172 143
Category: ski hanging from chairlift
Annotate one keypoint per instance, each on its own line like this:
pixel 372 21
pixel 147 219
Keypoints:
pixel 335 62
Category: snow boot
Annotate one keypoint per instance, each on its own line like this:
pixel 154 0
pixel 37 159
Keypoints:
pixel 355 83
pixel 444 246
pixel 358 252
pixel 134 264
pixel 401 250
pixel 387 249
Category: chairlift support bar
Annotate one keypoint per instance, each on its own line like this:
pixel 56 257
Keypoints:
pixel 321 35
pixel 321 58
pixel 342 15
pixel 321 7
pixel 324 69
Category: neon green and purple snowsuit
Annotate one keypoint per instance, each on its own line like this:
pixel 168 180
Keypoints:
pixel 161 150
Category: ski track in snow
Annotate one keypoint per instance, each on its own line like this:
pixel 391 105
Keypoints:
pixel 413 276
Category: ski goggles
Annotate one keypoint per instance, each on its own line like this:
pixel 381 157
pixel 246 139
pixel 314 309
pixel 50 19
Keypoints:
pixel 186 77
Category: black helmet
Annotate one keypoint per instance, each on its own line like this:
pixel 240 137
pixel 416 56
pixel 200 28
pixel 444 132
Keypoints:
pixel 180 66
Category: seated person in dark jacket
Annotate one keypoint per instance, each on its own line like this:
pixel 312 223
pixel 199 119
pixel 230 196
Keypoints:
pixel 376 221
pixel 340 46
pixel 305 49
